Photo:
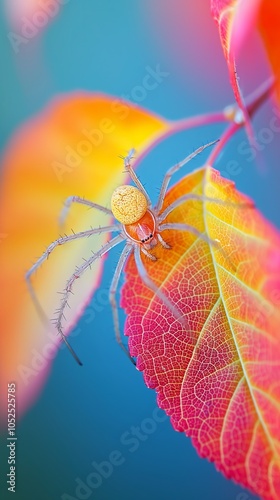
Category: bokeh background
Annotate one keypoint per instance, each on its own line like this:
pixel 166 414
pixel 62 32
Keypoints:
pixel 83 414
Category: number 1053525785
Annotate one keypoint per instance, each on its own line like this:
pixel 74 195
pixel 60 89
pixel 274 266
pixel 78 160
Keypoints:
pixel 11 407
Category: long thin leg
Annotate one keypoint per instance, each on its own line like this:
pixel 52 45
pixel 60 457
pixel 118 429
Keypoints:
pixel 112 297
pixel 186 227
pixel 77 199
pixel 60 241
pixel 162 242
pixel 198 197
pixel 174 169
pixel 77 274
pixel 148 254
pixel 150 284
pixel 133 175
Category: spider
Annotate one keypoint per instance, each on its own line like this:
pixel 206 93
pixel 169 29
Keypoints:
pixel 139 226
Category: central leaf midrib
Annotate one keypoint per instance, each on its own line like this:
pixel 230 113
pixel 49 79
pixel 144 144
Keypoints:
pixel 246 377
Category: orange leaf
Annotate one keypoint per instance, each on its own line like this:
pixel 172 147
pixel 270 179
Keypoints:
pixel 218 380
pixel 71 148
pixel 268 23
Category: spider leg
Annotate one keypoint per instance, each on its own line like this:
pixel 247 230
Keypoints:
pixel 112 297
pixel 186 227
pixel 51 247
pixel 198 197
pixel 148 254
pixel 134 177
pixel 77 199
pixel 171 171
pixel 77 274
pixel 150 284
pixel 162 242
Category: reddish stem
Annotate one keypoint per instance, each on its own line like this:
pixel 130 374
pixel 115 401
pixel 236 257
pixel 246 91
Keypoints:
pixel 226 136
pixel 180 126
pixel 254 102
pixel 256 99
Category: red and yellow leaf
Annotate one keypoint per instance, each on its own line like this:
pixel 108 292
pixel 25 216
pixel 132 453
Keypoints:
pixel 219 381
pixel 236 20
pixel 71 148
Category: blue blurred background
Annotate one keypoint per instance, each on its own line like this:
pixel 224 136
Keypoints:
pixel 84 414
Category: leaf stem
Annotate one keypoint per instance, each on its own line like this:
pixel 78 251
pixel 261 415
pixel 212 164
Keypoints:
pixel 229 114
pixel 256 99
pixel 226 136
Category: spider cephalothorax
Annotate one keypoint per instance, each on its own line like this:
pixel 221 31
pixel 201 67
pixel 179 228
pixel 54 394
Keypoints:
pixel 143 231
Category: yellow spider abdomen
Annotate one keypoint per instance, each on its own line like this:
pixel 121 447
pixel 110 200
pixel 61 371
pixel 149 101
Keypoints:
pixel 128 204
